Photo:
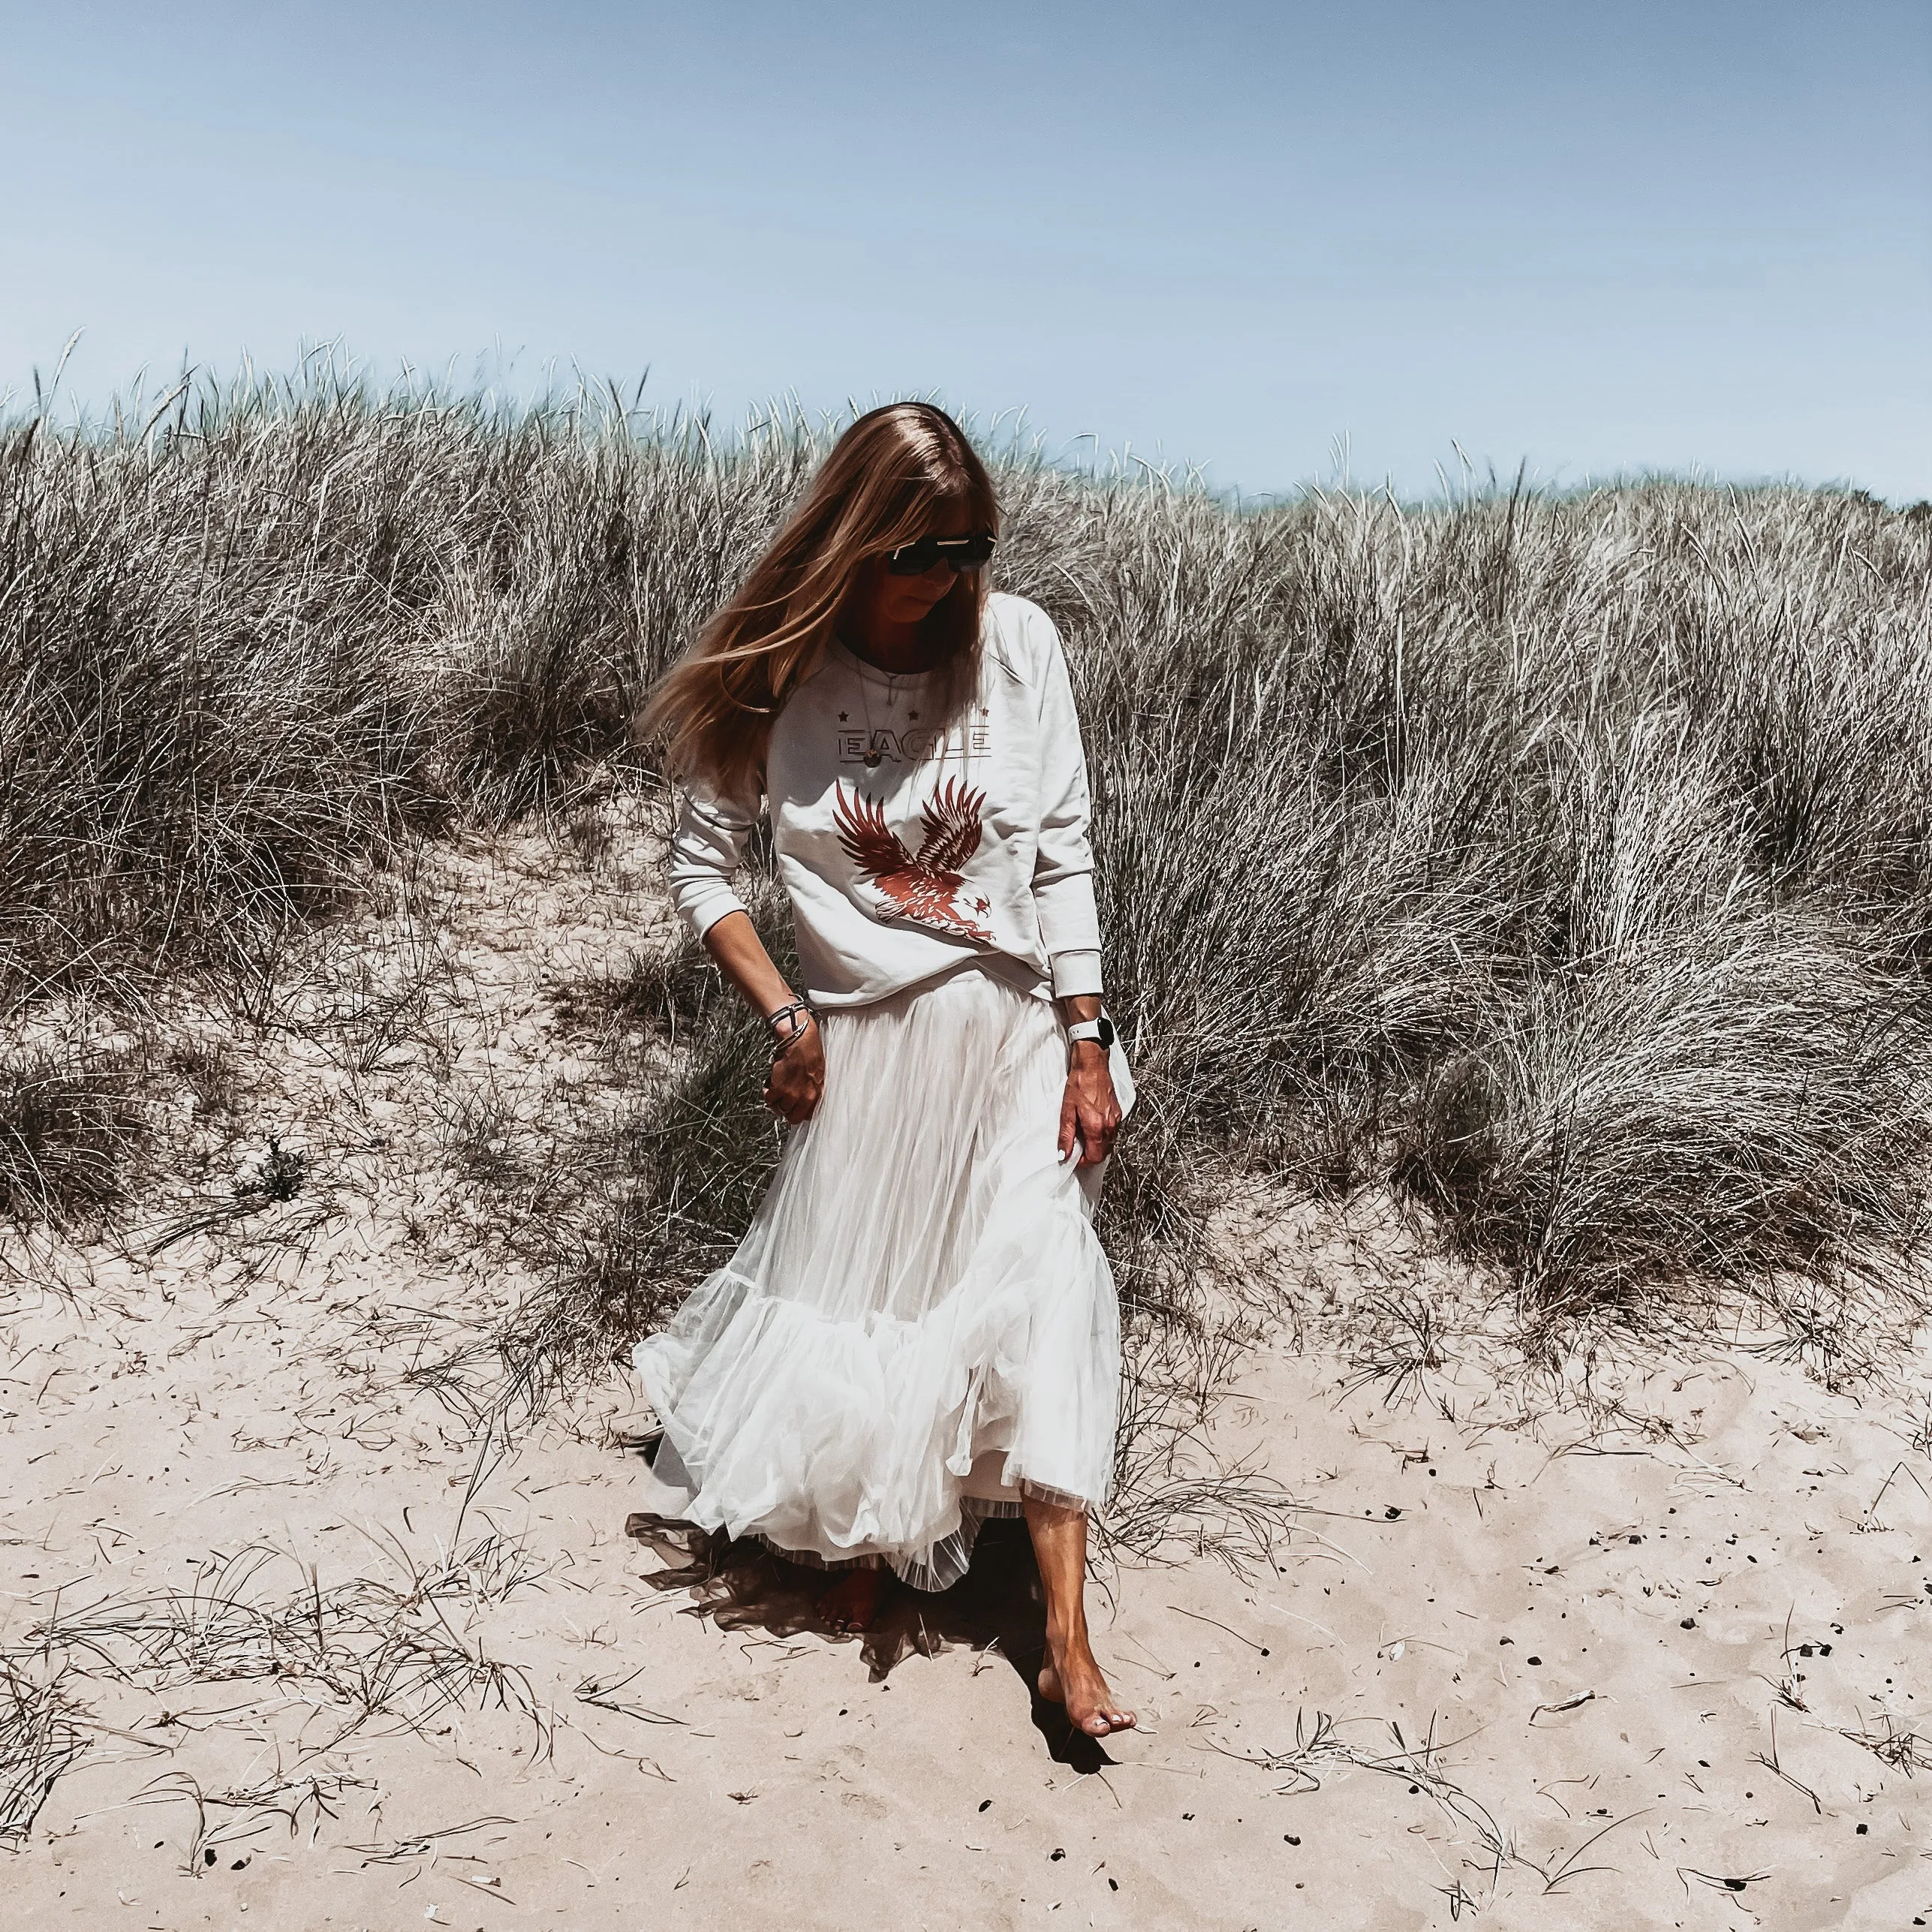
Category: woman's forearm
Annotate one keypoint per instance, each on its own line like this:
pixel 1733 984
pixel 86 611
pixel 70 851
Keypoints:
pixel 798 1062
pixel 734 944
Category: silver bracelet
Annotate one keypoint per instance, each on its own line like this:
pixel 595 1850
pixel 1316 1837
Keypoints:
pixel 787 1024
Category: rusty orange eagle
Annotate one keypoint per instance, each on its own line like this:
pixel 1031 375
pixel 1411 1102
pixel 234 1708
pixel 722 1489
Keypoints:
pixel 929 889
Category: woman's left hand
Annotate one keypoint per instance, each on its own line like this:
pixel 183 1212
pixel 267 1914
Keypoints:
pixel 1089 1113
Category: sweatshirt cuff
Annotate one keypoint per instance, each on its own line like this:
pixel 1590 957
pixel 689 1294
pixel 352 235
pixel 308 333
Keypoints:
pixel 1074 974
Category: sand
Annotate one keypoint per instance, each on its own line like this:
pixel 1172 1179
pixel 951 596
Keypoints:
pixel 1640 1647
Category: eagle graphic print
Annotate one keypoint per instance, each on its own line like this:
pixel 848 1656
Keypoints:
pixel 930 889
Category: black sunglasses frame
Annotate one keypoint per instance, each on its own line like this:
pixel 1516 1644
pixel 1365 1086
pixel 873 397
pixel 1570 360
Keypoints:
pixel 962 553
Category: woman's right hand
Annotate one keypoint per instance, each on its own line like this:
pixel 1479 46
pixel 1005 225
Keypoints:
pixel 797 1081
pixel 798 1074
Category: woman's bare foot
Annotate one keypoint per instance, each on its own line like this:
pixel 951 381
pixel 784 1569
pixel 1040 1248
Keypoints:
pixel 1071 1676
pixel 854 1601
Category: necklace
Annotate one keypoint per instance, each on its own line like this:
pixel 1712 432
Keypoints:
pixel 873 754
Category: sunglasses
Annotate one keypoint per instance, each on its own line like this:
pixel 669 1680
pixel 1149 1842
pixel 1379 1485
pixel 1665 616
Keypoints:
pixel 959 553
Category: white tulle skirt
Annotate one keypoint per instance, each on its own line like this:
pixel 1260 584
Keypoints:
pixel 919 1329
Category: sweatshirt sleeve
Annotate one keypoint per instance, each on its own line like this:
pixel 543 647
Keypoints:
pixel 705 849
pixel 1063 871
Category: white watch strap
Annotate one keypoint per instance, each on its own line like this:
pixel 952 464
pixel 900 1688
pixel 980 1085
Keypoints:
pixel 1083 1030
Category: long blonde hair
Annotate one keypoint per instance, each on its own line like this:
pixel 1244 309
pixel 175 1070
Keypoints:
pixel 889 480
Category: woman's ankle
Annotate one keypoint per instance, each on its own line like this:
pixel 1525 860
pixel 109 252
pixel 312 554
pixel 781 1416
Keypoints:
pixel 1069 1639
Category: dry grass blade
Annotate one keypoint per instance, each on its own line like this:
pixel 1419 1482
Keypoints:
pixel 1421 1766
pixel 258 1808
pixel 606 1697
pixel 426 1844
pixel 1236 1518
pixel 1717 1881
pixel 1903 1750
pixel 374 1648
pixel 1324 1748
pixel 40 1738
pixel 1401 1341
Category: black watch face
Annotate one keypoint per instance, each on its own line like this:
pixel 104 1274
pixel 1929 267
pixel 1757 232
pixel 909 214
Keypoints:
pixel 1106 1031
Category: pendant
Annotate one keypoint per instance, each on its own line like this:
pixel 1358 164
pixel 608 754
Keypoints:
pixel 872 759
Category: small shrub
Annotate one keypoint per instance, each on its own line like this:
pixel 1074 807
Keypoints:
pixel 670 987
pixel 43 1733
pixel 1638 1132
pixel 71 1123
pixel 207 1068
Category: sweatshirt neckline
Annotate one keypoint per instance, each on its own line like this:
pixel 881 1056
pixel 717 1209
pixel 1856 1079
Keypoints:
pixel 843 654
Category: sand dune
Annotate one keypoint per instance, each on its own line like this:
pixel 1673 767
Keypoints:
pixel 1427 1637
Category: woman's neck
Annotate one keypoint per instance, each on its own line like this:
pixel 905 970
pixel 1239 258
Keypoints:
pixel 894 648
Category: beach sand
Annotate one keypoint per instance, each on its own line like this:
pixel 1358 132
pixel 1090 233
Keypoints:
pixel 1420 1635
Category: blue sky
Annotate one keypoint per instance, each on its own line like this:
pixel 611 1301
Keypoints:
pixel 1696 235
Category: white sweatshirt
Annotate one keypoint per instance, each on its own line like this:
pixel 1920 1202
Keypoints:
pixel 907 850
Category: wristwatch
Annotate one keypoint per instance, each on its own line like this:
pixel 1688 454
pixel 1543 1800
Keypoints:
pixel 1101 1029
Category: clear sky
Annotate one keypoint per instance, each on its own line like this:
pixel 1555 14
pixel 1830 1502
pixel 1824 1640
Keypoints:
pixel 1655 234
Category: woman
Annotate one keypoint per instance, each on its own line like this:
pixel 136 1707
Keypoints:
pixel 919 1329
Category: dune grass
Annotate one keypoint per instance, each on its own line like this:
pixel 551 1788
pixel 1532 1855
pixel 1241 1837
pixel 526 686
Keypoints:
pixel 1563 862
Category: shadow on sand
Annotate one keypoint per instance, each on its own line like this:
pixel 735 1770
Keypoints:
pixel 996 1609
